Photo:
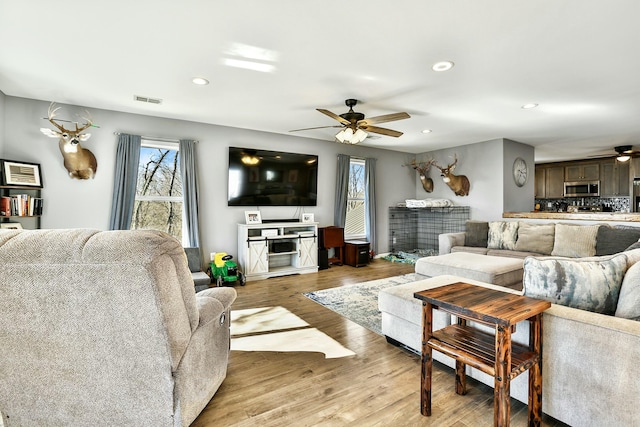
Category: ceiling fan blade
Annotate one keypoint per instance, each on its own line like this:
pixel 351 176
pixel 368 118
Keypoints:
pixel 334 116
pixel 382 131
pixel 383 119
pixel 319 127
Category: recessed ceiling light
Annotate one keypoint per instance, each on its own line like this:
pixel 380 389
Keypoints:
pixel 442 66
pixel 200 81
pixel 426 131
pixel 529 106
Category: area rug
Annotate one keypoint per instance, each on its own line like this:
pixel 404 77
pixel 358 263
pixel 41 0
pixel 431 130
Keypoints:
pixel 409 257
pixel 359 302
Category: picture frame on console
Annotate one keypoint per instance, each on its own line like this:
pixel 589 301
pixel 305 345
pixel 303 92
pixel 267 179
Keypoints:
pixel 252 217
pixel 306 217
pixel 11 225
pixel 20 174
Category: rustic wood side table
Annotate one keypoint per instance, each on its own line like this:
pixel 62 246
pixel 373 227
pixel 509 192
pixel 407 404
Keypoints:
pixel 494 355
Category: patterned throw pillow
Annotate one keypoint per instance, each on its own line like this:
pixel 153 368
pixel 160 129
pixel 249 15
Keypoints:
pixel 575 241
pixel 535 237
pixel 502 235
pixel 591 284
pixel 629 300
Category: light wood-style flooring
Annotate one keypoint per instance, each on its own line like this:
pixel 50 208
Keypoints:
pixel 379 386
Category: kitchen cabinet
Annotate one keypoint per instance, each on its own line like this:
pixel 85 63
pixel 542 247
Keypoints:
pixel 614 180
pixel 540 182
pixel 582 172
pixel 555 182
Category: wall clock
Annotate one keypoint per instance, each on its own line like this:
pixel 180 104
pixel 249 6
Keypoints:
pixel 520 171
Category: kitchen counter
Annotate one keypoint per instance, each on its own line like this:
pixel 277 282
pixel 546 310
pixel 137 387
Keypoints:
pixel 582 216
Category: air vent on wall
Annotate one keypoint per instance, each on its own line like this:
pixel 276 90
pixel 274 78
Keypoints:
pixel 147 99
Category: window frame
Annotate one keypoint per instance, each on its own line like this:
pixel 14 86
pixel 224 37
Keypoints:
pixel 362 235
pixel 163 145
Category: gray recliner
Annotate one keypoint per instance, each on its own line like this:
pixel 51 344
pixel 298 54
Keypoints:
pixel 104 328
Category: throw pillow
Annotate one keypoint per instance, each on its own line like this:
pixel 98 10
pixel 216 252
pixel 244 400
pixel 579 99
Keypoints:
pixel 502 235
pixel 476 234
pixel 636 245
pixel 629 300
pixel 591 284
pixel 535 237
pixel 575 241
pixel 612 240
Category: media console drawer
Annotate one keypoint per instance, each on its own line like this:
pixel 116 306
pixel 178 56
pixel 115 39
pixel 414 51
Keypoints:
pixel 356 253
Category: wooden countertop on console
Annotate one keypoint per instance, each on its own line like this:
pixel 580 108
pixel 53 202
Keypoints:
pixel 583 216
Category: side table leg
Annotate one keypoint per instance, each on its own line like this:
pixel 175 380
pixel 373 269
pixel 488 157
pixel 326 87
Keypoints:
pixel 535 372
pixel 461 374
pixel 427 363
pixel 502 381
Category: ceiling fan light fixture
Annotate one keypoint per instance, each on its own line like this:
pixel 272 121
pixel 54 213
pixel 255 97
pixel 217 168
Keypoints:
pixel 340 136
pixel 359 136
pixel 623 158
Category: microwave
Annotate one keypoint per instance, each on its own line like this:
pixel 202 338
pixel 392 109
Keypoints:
pixel 582 189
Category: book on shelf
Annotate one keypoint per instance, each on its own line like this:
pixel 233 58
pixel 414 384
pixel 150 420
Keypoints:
pixel 20 205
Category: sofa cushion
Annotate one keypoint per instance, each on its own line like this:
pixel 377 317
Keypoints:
pixel 633 246
pixel 500 271
pixel 510 254
pixel 591 284
pixel 502 235
pixel 612 240
pixel 476 234
pixel 629 299
pixel 575 241
pixel 535 237
pixel 471 249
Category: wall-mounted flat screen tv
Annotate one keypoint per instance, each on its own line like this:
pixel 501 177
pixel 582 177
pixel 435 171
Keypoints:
pixel 272 178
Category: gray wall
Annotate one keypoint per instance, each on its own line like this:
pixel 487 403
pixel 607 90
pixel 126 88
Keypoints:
pixel 478 162
pixel 518 199
pixel 71 203
pixel 2 122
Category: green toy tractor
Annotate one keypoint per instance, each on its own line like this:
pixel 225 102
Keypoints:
pixel 225 271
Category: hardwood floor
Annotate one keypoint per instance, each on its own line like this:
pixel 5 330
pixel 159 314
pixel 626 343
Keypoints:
pixel 379 386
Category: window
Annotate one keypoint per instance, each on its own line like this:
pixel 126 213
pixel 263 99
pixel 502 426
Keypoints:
pixel 158 203
pixel 355 221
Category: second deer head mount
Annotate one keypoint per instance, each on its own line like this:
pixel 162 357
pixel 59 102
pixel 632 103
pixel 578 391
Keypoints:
pixel 423 168
pixel 79 162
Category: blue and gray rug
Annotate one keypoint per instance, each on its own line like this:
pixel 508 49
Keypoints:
pixel 359 302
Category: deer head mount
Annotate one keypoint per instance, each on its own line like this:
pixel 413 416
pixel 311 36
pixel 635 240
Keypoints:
pixel 80 162
pixel 458 183
pixel 422 168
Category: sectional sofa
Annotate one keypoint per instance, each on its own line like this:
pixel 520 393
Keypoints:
pixel 591 333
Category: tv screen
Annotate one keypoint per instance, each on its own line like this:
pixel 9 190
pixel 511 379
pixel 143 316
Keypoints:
pixel 271 178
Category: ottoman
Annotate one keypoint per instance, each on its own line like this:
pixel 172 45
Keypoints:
pixel 501 271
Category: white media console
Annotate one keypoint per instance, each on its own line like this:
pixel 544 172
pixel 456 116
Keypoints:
pixel 277 249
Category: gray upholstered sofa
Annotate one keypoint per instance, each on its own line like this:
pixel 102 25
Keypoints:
pixel 105 328
pixel 591 334
pixel 520 239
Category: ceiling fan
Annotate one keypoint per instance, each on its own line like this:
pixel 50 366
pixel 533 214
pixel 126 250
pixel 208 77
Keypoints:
pixel 625 152
pixel 355 126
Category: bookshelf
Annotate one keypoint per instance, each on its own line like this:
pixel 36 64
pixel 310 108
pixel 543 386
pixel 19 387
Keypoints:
pixel 20 207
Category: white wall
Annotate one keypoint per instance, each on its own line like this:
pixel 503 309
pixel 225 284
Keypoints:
pixel 72 203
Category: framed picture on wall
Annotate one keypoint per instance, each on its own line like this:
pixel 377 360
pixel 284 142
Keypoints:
pixel 20 174
pixel 307 217
pixel 252 217
pixel 11 225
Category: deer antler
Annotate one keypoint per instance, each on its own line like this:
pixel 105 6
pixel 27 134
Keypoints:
pixel 88 122
pixel 51 114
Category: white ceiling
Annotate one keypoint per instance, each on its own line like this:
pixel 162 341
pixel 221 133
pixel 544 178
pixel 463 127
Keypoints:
pixel 577 59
